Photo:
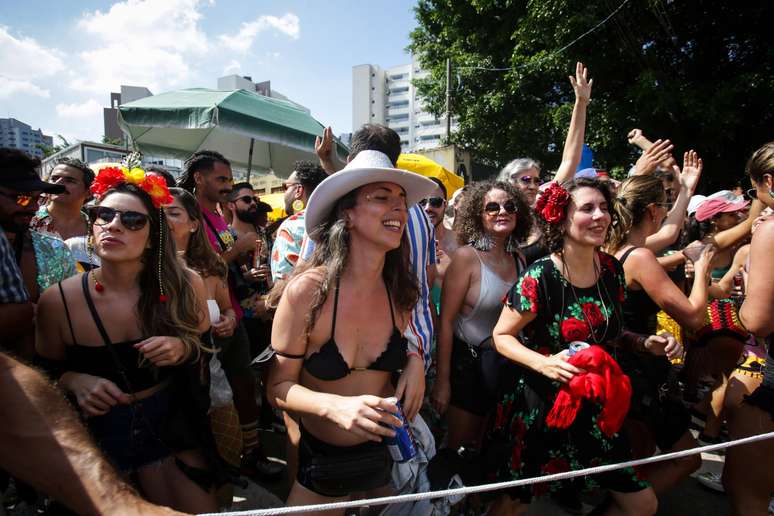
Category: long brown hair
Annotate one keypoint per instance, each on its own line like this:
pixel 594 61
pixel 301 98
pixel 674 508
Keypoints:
pixel 332 253
pixel 179 315
pixel 199 255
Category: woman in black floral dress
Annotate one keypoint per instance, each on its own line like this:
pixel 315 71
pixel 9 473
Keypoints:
pixel 574 294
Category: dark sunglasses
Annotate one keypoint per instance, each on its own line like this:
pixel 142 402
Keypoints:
pixel 248 199
pixel 286 186
pixel 131 220
pixel 752 193
pixel 22 200
pixel 493 208
pixel 434 202
pixel 529 179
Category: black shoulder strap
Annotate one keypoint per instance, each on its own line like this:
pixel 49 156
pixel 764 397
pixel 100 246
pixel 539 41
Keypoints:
pixel 626 254
pixel 93 310
pixel 335 309
pixel 389 302
pixel 67 312
pixel 223 246
pixel 101 328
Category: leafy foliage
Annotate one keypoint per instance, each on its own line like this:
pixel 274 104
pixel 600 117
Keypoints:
pixel 699 72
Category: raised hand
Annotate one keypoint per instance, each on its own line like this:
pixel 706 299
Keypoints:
pixel 581 83
pixel 691 172
pixel 658 152
pixel 634 136
pixel 323 147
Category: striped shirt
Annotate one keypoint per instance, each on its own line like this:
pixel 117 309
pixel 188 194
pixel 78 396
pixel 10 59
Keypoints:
pixel 421 237
pixel 12 288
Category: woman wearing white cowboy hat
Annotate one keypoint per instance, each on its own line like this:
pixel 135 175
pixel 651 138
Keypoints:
pixel 338 329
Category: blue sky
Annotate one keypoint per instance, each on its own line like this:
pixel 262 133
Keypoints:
pixel 59 60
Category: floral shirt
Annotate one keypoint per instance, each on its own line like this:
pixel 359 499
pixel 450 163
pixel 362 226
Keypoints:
pixel 287 246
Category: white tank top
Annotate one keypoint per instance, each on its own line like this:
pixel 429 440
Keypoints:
pixel 477 326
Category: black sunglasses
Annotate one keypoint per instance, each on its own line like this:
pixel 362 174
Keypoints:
pixel 752 193
pixel 434 202
pixel 493 208
pixel 131 220
pixel 248 199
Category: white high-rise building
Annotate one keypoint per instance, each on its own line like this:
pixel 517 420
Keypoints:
pixel 387 96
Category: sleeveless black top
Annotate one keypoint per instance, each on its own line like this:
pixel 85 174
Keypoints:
pixel 328 364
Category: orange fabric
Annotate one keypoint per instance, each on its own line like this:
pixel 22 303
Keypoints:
pixel 603 382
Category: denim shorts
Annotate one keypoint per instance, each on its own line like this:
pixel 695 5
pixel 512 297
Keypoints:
pixel 130 435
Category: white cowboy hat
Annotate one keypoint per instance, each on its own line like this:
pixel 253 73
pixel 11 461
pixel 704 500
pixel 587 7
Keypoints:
pixel 367 167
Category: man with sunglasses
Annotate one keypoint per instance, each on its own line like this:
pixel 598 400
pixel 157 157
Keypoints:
pixel 63 216
pixel 298 188
pixel 42 259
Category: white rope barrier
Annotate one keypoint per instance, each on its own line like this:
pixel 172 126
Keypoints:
pixel 493 487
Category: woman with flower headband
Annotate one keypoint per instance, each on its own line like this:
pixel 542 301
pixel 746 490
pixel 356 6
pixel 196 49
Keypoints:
pixel 561 304
pixel 493 219
pixel 123 340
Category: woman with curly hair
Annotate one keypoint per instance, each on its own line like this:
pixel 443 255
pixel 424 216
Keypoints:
pixel 567 302
pixel 493 219
pixel 124 340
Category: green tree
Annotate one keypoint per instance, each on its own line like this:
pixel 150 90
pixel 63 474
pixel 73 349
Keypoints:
pixel 112 141
pixel 699 72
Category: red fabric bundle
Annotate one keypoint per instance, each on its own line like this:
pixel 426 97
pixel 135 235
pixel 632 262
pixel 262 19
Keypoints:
pixel 603 382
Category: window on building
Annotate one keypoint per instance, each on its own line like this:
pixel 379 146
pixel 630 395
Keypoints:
pixel 398 104
pixel 398 76
pixel 398 118
pixel 398 91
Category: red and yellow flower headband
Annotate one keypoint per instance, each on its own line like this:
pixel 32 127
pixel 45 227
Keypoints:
pixel 153 185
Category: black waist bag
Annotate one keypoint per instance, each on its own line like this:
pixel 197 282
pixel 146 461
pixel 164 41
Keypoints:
pixel 340 475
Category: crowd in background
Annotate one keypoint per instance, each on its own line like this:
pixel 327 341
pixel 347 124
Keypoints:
pixel 532 323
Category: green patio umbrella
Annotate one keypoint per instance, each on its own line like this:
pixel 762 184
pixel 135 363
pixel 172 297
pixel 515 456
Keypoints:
pixel 253 131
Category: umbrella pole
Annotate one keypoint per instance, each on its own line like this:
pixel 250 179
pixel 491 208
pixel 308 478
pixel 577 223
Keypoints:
pixel 250 159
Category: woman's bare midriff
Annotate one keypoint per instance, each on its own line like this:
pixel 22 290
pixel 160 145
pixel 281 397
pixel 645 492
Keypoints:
pixel 357 383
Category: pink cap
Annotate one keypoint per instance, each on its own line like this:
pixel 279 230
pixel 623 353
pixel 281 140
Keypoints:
pixel 712 207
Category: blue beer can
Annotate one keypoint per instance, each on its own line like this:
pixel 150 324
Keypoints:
pixel 576 346
pixel 402 446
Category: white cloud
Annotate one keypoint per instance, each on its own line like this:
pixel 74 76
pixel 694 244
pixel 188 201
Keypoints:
pixel 243 40
pixel 10 87
pixel 24 59
pixel 89 109
pixel 232 67
pixel 141 42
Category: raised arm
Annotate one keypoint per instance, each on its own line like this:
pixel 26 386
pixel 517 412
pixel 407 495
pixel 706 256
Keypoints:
pixel 643 269
pixel 727 238
pixel 323 147
pixel 688 179
pixel 573 145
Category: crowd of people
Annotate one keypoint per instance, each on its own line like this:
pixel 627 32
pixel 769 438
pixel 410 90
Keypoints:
pixel 532 323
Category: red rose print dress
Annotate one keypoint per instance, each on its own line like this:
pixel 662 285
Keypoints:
pixel 519 443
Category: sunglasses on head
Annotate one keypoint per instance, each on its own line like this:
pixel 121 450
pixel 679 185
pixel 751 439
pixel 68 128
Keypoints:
pixel 22 200
pixel 493 208
pixel 131 220
pixel 434 202
pixel 525 180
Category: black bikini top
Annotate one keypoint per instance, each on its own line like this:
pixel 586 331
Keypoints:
pixel 327 364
